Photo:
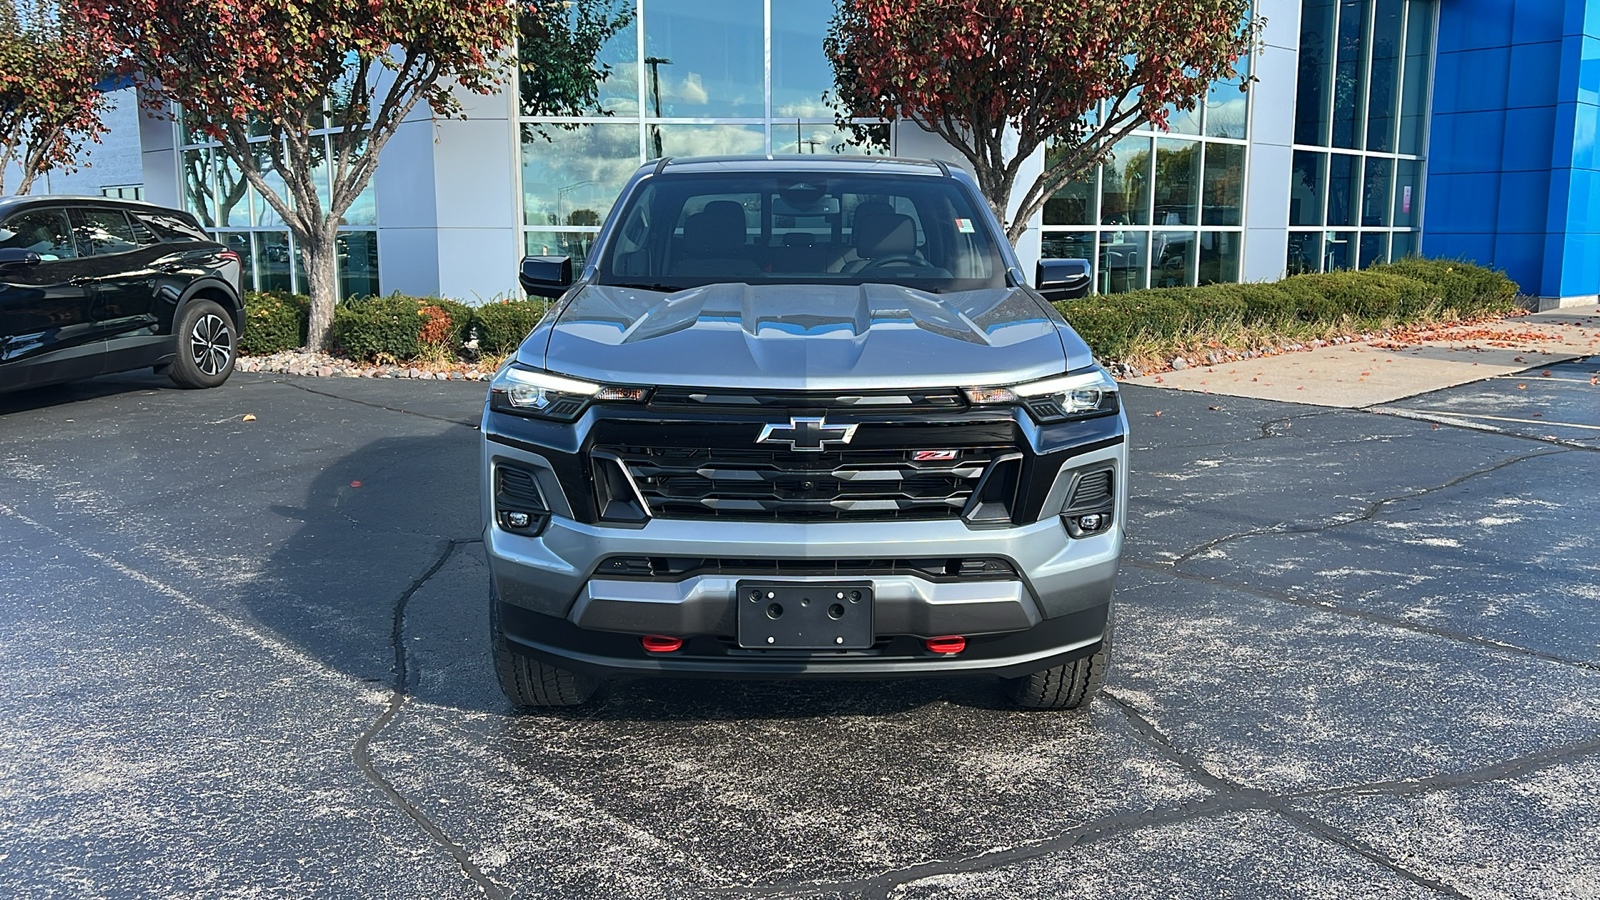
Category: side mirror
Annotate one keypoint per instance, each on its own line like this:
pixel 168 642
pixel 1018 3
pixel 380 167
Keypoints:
pixel 546 276
pixel 1062 279
pixel 17 258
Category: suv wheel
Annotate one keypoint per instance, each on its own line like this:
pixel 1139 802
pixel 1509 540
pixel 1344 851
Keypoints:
pixel 1067 686
pixel 207 346
pixel 530 682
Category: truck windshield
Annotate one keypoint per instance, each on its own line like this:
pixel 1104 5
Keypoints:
pixel 687 230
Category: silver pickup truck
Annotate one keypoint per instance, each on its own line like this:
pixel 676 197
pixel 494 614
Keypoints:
pixel 802 418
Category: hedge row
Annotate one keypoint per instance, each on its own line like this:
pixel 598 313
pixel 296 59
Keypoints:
pixel 1117 326
pixel 395 327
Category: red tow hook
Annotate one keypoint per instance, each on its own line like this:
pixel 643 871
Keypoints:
pixel 949 645
pixel 660 643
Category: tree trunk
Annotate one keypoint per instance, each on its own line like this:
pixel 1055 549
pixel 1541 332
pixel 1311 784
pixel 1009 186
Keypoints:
pixel 322 281
pixel 26 184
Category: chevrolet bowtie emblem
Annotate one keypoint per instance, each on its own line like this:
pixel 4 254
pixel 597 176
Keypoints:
pixel 806 435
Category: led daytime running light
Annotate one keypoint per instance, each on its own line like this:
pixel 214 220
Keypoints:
pixel 1088 380
pixel 549 382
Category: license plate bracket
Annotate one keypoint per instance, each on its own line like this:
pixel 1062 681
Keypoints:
pixel 790 615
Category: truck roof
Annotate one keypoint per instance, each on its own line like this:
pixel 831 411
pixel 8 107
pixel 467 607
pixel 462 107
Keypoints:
pixel 801 162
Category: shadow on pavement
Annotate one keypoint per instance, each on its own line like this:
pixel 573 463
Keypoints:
pixel 78 391
pixel 375 520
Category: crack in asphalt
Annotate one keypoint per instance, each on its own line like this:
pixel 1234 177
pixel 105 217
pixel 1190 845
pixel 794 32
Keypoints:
pixel 1372 510
pixel 1255 798
pixel 393 409
pixel 1228 796
pixel 1288 423
pixel 399 694
pixel 1266 432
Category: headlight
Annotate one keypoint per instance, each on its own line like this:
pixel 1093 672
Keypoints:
pixel 531 392
pixel 1076 396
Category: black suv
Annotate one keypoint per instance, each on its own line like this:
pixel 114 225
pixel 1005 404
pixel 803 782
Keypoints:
pixel 90 286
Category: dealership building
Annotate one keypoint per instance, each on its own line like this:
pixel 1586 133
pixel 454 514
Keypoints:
pixel 1371 129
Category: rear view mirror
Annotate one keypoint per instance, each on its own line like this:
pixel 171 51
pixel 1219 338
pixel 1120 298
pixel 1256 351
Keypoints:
pixel 1062 279
pixel 17 258
pixel 546 276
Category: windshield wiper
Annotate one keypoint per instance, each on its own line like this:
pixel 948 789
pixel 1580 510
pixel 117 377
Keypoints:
pixel 665 288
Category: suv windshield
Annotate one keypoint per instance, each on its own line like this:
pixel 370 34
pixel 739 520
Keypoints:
pixel 682 231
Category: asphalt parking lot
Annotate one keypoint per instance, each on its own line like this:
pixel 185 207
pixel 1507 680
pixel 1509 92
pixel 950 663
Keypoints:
pixel 1358 655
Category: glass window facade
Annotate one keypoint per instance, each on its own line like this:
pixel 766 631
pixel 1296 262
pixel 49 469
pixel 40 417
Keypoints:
pixel 687 78
pixel 216 191
pixel 1136 216
pixel 1360 124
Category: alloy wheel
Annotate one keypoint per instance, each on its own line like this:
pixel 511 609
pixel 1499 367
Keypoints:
pixel 211 344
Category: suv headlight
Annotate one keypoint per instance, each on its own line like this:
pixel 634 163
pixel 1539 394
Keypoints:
pixel 532 392
pixel 1079 395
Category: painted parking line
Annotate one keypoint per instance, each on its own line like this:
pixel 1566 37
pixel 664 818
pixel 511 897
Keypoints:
pixel 1451 414
pixel 1526 377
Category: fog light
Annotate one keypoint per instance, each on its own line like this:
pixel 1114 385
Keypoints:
pixel 518 519
pixel 1090 522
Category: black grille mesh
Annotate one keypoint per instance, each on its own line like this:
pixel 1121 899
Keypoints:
pixel 781 485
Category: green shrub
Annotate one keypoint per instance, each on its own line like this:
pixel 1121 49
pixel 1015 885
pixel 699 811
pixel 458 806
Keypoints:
pixel 501 327
pixel 1107 327
pixel 399 327
pixel 1410 291
pixel 1460 285
pixel 274 321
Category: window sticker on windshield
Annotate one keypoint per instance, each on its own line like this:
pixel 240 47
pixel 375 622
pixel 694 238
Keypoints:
pixel 964 226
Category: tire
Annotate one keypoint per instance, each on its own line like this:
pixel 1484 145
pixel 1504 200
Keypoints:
pixel 529 682
pixel 1068 686
pixel 208 345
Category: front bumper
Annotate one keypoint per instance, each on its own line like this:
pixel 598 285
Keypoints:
pixel 558 606
pixel 1013 655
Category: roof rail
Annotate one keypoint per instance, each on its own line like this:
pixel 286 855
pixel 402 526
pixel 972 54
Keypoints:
pixel 662 164
pixel 943 169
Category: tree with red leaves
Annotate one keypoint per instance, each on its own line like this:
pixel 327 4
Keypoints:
pixel 999 79
pixel 49 103
pixel 260 76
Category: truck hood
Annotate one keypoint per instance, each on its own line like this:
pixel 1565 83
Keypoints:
pixel 806 337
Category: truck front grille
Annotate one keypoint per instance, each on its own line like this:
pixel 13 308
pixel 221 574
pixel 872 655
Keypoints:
pixel 781 485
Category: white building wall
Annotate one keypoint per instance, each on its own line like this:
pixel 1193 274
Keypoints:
pixel 158 142
pixel 408 209
pixel 476 193
pixel 1271 155
pixel 115 161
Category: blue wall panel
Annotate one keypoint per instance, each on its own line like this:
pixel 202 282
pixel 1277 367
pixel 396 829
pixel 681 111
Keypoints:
pixel 1466 142
pixel 1524 201
pixel 1537 22
pixel 1521 255
pixel 1514 149
pixel 1472 80
pixel 1463 203
pixel 1532 130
